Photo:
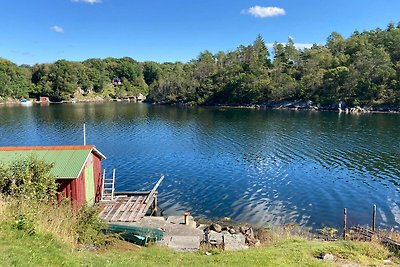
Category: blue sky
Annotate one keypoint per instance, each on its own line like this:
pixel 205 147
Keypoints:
pixel 34 31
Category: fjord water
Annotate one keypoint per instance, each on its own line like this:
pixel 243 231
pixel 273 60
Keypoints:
pixel 257 166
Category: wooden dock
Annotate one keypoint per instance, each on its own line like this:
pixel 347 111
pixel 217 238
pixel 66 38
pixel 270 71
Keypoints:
pixel 130 206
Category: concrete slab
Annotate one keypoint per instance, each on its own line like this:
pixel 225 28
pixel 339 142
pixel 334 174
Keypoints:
pixel 231 242
pixel 181 237
pixel 182 243
pixel 180 220
pixel 176 219
pixel 202 227
pixel 153 219
pixel 234 242
pixel 169 229
pixel 214 236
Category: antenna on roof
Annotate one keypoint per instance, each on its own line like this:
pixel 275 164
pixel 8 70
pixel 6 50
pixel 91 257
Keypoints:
pixel 84 134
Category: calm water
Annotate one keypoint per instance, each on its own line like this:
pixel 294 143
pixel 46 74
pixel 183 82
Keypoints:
pixel 251 165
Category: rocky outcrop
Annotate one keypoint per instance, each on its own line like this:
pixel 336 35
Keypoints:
pixel 229 237
pixel 251 240
pixel 216 227
pixel 295 105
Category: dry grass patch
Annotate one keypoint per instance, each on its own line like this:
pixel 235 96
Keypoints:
pixel 71 227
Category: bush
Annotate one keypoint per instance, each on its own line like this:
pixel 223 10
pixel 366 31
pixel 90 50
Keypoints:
pixel 28 178
pixel 25 224
pixel 28 204
pixel 89 227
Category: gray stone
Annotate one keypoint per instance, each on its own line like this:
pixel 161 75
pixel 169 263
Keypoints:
pixel 387 261
pixel 328 257
pixel 247 231
pixel 215 239
pixel 232 231
pixel 214 236
pixel 230 242
pixel 216 227
pixel 234 242
pixel 252 241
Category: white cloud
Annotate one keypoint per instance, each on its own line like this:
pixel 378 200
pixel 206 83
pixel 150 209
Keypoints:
pixel 56 28
pixel 87 1
pixel 297 45
pixel 302 45
pixel 265 12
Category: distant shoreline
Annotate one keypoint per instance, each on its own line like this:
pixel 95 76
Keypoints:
pixel 298 105
pixel 282 105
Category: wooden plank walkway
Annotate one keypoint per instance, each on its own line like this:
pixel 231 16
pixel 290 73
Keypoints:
pixel 130 206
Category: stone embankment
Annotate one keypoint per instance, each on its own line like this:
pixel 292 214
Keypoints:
pixel 340 106
pixel 186 235
pixel 9 100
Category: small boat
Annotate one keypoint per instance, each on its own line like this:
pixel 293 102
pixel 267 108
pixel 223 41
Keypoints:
pixel 139 235
pixel 25 102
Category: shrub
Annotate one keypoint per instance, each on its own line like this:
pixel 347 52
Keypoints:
pixel 28 204
pixel 329 233
pixel 89 227
pixel 25 224
pixel 28 178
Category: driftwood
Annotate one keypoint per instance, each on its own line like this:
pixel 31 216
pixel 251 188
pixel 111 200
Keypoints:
pixel 369 234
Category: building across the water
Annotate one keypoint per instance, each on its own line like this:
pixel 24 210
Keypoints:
pixel 76 168
pixel 136 98
pixel 44 99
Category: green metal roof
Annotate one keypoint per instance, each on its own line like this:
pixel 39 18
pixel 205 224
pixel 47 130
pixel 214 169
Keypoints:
pixel 68 161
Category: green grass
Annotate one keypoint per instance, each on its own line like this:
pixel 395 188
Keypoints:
pixel 19 249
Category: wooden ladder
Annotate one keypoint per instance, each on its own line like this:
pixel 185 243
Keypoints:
pixel 108 187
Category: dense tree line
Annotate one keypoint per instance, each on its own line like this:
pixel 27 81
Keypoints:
pixel 362 69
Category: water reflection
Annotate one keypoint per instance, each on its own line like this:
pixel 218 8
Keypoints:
pixel 251 165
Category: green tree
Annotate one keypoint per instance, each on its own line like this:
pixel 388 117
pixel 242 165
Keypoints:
pixel 151 72
pixel 14 80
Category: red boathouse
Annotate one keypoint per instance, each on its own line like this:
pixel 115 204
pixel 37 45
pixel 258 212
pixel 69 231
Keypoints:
pixel 76 168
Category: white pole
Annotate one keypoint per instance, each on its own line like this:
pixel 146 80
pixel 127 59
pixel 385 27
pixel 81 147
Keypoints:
pixel 113 185
pixel 84 134
pixel 102 184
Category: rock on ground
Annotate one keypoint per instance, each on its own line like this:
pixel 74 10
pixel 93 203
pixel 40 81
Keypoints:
pixel 328 257
pixel 234 242
pixel 216 227
pixel 229 242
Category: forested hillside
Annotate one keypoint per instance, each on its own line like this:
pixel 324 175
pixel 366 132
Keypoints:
pixel 362 69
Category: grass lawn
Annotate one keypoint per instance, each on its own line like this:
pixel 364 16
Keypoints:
pixel 19 249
